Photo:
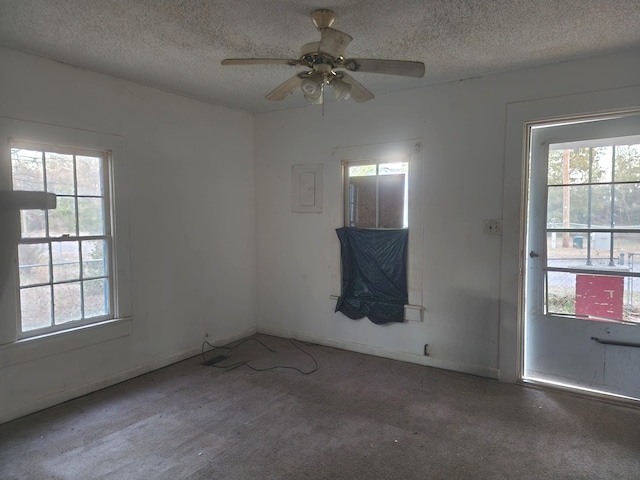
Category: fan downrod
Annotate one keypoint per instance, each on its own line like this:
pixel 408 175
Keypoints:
pixel 323 18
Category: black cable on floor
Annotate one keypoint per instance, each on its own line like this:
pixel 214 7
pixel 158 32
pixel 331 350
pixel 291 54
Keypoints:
pixel 213 347
pixel 240 364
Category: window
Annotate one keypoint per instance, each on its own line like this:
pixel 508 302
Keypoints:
pixel 64 254
pixel 78 251
pixel 382 188
pixel 376 194
pixel 593 229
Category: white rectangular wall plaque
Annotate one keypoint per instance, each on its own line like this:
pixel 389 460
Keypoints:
pixel 306 188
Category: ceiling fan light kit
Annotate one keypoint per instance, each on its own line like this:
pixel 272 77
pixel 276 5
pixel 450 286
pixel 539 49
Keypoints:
pixel 323 58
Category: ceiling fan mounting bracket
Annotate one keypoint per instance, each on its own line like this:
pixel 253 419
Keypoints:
pixel 323 18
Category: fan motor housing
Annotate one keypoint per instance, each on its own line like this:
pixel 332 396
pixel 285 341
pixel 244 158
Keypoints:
pixel 308 48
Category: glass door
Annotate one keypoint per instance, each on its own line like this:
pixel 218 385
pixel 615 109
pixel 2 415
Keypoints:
pixel 582 271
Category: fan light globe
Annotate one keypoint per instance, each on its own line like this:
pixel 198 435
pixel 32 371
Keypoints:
pixel 314 100
pixel 341 89
pixel 309 87
pixel 312 85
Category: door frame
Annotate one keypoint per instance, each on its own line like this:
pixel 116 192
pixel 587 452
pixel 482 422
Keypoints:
pixel 520 117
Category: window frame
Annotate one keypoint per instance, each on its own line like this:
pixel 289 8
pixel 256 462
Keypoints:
pixel 413 150
pixel 13 349
pixel 47 239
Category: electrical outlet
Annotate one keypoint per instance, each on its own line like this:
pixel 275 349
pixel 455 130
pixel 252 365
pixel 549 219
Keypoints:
pixel 426 349
pixel 493 227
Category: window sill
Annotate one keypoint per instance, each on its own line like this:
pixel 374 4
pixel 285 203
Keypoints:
pixel 412 313
pixel 42 346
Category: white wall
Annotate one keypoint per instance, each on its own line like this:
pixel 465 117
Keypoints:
pixel 463 126
pixel 193 250
pixel 192 232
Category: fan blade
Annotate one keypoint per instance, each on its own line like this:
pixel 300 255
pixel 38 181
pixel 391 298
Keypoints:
pixel 333 42
pixel 259 61
pixel 389 67
pixel 357 92
pixel 284 89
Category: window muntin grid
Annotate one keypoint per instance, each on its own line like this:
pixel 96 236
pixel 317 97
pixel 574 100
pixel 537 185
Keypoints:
pixel 64 255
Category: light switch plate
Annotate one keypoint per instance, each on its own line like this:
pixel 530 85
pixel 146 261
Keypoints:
pixel 493 227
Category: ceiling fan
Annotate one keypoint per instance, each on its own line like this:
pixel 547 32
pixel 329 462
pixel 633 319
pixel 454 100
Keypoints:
pixel 323 58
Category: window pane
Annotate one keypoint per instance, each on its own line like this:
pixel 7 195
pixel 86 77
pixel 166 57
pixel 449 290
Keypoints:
pixel 33 261
pixel 62 220
pixel 578 201
pixel 60 174
pixel 391 196
pixel 627 163
pixel 362 202
pixel 96 298
pixel 66 261
pixel 90 216
pixel 67 302
pixel 393 168
pixel 89 174
pixel 571 166
pixel 94 263
pixel 627 205
pixel 600 205
pixel 32 223
pixel 565 249
pixel 565 167
pixel 561 293
pixel 554 207
pixel 35 307
pixel 362 170
pixel 627 250
pixel 601 169
pixel 600 248
pixel 27 170
pixel 578 165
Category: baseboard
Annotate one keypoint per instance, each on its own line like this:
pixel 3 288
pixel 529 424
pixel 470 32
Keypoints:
pixel 478 370
pixel 80 390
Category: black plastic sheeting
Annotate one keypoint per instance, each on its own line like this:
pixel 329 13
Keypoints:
pixel 374 274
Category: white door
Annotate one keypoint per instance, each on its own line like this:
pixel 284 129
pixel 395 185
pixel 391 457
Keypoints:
pixel 582 271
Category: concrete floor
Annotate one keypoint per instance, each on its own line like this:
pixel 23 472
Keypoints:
pixel 356 417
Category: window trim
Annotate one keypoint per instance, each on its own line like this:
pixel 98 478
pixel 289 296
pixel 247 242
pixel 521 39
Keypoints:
pixel 78 335
pixel 413 151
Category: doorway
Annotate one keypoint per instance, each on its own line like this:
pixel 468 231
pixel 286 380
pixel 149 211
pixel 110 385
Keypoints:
pixel 582 266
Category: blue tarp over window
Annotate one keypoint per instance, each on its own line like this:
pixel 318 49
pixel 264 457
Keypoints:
pixel 374 274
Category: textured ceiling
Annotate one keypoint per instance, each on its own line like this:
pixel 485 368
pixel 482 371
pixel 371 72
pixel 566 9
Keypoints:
pixel 177 45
